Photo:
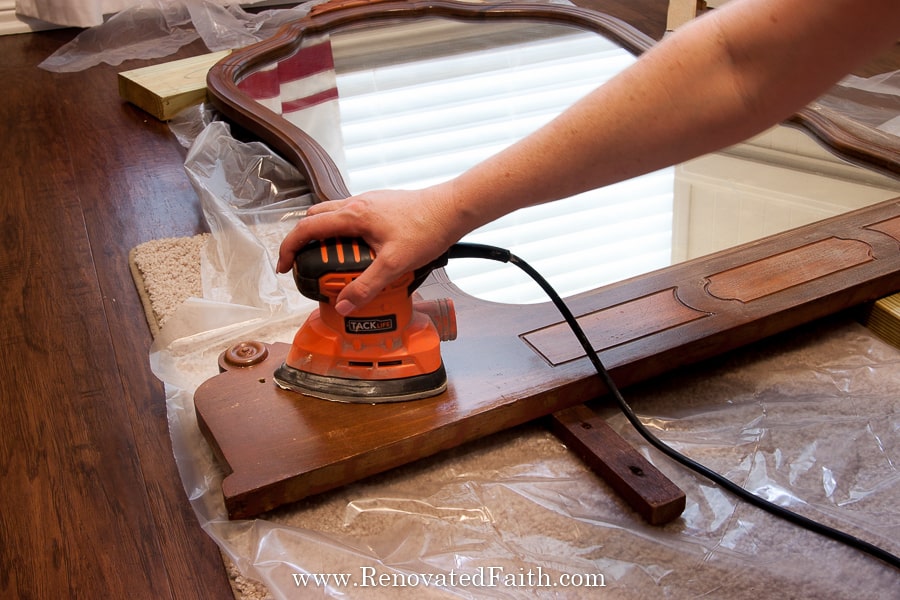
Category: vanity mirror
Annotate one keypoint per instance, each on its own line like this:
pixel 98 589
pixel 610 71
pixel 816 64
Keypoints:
pixel 719 252
pixel 376 95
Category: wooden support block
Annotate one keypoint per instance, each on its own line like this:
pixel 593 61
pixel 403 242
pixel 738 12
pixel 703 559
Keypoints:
pixel 165 89
pixel 883 318
pixel 278 446
pixel 644 487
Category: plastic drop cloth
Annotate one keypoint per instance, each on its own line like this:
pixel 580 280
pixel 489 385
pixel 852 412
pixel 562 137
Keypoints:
pixel 809 420
pixel 157 28
pixel 871 101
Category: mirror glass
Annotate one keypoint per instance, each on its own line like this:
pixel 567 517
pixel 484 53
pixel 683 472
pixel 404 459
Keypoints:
pixel 406 104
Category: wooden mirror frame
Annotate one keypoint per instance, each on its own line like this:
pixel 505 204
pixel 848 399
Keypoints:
pixel 857 144
pixel 514 363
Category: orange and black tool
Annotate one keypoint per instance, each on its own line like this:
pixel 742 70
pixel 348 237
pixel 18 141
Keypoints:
pixel 387 351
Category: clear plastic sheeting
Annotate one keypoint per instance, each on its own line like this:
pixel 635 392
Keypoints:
pixel 158 28
pixel 150 30
pixel 250 198
pixel 810 423
pixel 872 102
pixel 809 420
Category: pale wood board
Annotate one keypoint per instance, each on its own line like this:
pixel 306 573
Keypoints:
pixel 883 318
pixel 166 89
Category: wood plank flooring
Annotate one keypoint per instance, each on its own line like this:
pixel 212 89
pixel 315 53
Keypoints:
pixel 92 506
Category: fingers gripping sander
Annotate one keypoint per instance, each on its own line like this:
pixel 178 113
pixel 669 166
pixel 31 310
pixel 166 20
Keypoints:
pixel 387 351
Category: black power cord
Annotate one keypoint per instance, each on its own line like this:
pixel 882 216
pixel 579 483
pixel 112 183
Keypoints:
pixel 467 250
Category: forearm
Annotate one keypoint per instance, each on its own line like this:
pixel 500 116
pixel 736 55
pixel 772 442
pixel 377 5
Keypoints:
pixel 718 80
pixel 725 77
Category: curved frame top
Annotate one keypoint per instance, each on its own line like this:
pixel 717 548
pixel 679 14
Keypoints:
pixel 298 147
pixel 855 143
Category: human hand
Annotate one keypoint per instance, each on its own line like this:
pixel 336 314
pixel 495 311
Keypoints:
pixel 406 229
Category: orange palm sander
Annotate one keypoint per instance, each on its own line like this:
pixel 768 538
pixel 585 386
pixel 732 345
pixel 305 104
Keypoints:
pixel 387 351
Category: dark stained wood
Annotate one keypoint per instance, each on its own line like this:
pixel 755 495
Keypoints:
pixel 643 326
pixel 512 364
pixel 92 503
pixel 279 446
pixel 644 487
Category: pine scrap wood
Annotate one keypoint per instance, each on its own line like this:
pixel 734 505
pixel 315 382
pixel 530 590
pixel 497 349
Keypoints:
pixel 165 89
pixel 883 318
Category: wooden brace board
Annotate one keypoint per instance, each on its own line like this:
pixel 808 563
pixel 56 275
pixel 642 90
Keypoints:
pixel 270 438
pixel 514 363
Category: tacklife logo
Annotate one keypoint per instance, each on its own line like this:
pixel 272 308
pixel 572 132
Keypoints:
pixel 371 324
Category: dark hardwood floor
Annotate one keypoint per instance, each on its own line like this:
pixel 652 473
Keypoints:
pixel 91 504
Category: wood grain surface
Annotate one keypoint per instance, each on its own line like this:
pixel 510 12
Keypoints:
pixel 93 506
pixel 278 446
pixel 514 363
pixel 643 326
pixel 646 489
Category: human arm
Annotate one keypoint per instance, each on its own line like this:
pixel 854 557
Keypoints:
pixel 720 79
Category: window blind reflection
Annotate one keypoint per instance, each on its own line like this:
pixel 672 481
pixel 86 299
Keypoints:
pixel 424 119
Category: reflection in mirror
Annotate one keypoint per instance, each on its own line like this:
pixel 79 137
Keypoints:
pixel 405 105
